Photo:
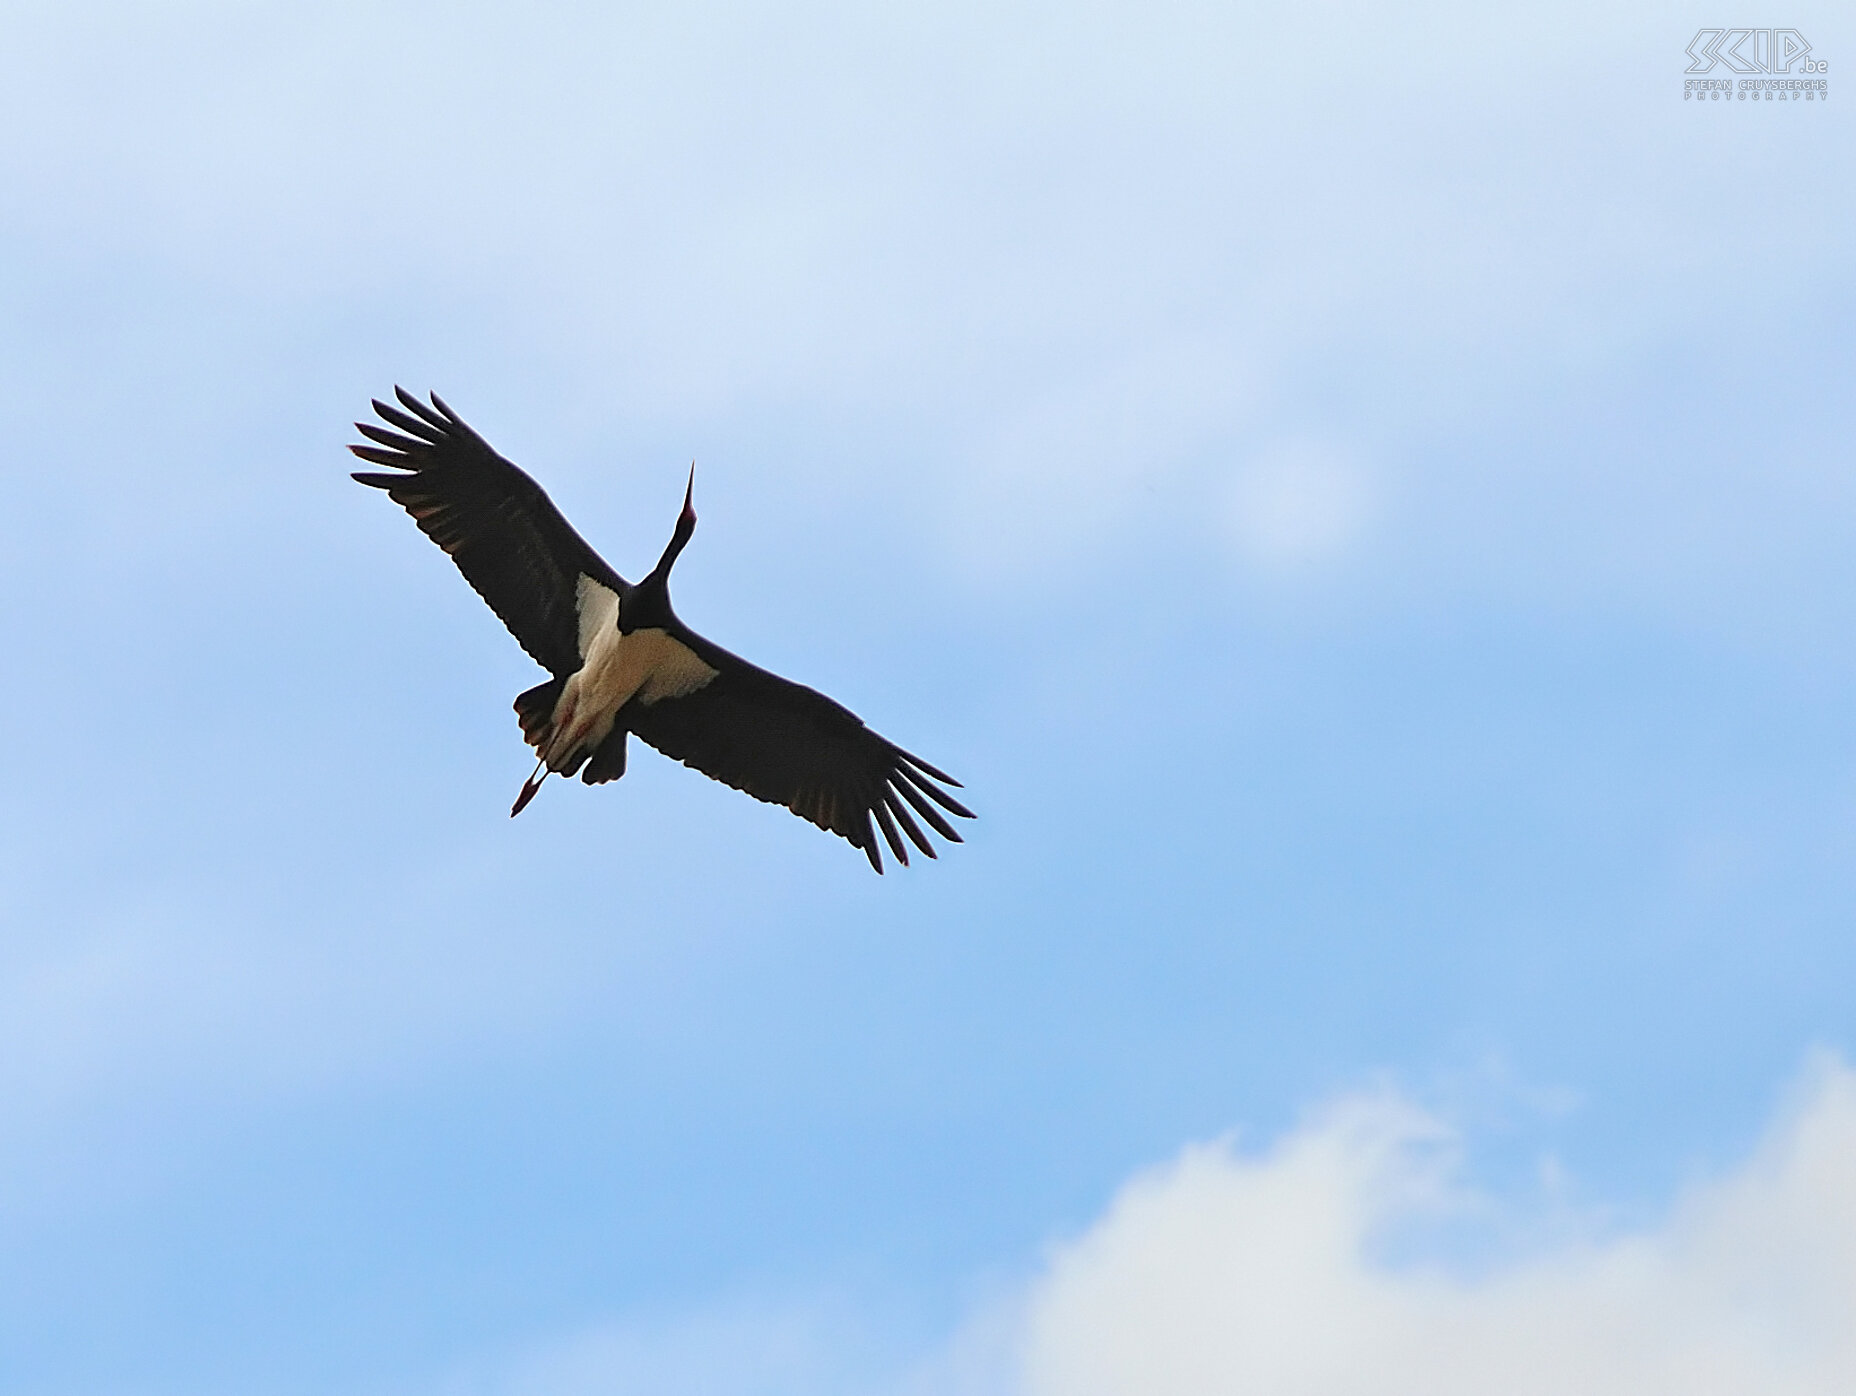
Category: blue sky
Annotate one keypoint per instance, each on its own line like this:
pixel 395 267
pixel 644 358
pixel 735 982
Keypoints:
pixel 1363 502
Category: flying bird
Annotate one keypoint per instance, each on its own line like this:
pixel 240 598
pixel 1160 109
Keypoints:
pixel 621 661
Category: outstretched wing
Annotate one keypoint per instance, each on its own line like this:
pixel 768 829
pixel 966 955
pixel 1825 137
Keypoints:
pixel 791 745
pixel 498 525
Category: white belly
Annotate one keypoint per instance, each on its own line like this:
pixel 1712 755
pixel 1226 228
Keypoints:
pixel 649 665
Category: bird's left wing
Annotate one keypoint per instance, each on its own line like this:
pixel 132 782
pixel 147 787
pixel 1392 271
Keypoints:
pixel 499 526
pixel 791 745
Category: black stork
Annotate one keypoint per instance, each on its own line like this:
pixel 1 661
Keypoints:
pixel 622 662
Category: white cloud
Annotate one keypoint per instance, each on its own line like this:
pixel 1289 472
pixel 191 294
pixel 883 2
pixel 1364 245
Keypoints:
pixel 1226 1273
pixel 1223 1273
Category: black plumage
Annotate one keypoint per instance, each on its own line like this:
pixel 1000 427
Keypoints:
pixel 622 661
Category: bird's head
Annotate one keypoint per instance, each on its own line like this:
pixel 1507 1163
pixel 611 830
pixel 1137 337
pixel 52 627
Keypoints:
pixel 686 525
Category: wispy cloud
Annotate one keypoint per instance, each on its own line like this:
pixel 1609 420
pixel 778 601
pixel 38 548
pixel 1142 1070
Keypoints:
pixel 735 1348
pixel 1299 504
pixel 1064 255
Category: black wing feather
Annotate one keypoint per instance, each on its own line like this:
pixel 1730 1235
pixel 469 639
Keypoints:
pixel 499 526
pixel 791 745
pixel 924 809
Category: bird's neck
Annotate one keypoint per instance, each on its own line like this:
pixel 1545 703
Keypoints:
pixel 648 607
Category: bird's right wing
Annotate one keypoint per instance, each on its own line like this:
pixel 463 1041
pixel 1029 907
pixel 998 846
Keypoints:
pixel 791 745
pixel 499 526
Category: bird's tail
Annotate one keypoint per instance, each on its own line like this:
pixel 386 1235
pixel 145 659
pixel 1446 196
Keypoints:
pixel 535 711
